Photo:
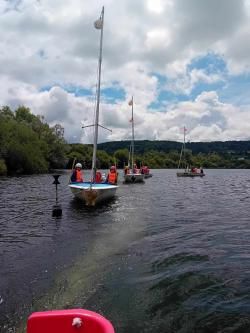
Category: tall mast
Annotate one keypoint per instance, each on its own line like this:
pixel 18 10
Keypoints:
pixel 129 156
pixel 100 26
pixel 184 146
pixel 133 135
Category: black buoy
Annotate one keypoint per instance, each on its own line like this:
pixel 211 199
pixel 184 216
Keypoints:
pixel 57 210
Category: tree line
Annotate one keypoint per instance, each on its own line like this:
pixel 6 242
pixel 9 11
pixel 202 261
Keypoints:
pixel 29 145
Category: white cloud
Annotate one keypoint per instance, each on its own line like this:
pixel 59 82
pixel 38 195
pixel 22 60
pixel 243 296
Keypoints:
pixel 53 44
pixel 207 133
pixel 158 6
pixel 157 39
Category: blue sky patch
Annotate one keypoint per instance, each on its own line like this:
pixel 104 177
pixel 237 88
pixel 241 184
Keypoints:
pixel 113 94
pixel 165 98
pixel 211 63
pixel 200 87
pixel 236 91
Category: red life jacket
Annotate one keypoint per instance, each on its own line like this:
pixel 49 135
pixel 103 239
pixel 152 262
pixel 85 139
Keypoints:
pixel 79 176
pixel 98 177
pixel 112 178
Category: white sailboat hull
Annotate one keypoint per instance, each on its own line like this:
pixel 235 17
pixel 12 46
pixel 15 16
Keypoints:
pixel 134 178
pixel 92 194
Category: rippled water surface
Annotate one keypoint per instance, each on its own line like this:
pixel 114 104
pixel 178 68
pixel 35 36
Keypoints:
pixel 170 255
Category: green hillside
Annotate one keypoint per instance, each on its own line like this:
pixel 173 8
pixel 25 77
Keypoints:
pixel 239 148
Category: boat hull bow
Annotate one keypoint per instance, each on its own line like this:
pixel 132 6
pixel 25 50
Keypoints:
pixel 92 194
pixel 134 178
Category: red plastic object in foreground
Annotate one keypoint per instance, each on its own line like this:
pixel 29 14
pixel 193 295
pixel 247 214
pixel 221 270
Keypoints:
pixel 68 321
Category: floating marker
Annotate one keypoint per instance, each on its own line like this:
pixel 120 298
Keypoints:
pixel 57 210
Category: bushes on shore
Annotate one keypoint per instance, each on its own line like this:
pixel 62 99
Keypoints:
pixel 3 167
pixel 27 144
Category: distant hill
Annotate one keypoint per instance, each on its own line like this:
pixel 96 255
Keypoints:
pixel 239 148
pixel 166 154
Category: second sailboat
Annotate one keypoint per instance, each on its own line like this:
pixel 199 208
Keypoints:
pixel 131 173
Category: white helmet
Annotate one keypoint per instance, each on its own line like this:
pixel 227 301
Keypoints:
pixel 78 165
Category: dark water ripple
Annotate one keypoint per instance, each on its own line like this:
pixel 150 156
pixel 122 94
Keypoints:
pixel 170 255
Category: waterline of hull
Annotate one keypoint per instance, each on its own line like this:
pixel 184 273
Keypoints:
pixel 189 174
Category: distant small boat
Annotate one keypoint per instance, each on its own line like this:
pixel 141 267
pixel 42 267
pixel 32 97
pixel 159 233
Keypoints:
pixel 187 171
pixel 133 178
pixel 190 174
pixel 91 192
pixel 146 172
pixel 68 321
pixel 131 173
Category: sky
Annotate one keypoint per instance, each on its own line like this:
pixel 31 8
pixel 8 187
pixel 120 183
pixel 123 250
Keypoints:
pixel 185 62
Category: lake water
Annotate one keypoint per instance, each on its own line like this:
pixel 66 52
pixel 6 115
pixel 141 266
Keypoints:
pixel 170 255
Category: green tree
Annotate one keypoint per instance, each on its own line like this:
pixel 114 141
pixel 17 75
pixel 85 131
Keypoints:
pixel 121 157
pixel 5 112
pixel 27 144
pixel 23 114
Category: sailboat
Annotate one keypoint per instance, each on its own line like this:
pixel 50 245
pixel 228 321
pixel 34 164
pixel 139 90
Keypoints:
pixel 146 172
pixel 131 173
pixel 91 192
pixel 187 171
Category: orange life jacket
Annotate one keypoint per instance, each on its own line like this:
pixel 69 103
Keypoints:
pixel 78 176
pixel 112 177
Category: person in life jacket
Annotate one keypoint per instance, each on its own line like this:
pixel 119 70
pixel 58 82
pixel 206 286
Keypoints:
pixel 112 176
pixel 146 170
pixel 135 169
pixel 76 176
pixel 126 170
pixel 98 177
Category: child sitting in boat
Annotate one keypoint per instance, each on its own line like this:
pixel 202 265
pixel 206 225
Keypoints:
pixel 126 170
pixel 77 176
pixel 98 177
pixel 112 176
pixel 135 169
